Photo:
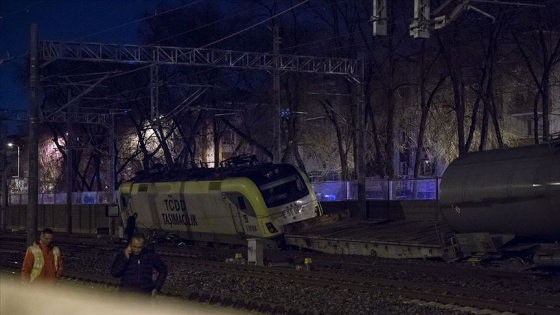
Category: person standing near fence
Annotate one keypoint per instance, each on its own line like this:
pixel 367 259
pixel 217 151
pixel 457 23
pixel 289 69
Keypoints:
pixel 130 226
pixel 42 262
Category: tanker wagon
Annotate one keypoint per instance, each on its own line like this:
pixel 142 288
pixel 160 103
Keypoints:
pixel 506 201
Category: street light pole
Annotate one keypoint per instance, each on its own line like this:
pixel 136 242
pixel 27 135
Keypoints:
pixel 12 145
pixel 34 121
pixel 4 180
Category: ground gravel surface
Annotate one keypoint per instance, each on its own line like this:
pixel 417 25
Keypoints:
pixel 322 299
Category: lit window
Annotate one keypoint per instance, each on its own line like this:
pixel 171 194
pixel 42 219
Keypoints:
pixel 427 167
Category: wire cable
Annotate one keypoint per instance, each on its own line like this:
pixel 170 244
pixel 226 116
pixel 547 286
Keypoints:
pixel 256 24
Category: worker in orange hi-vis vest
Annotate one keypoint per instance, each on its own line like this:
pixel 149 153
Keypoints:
pixel 42 262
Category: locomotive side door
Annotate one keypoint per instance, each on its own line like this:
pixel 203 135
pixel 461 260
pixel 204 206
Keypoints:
pixel 233 205
pixel 143 204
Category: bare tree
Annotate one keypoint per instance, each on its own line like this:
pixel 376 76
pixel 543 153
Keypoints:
pixel 426 101
pixel 538 42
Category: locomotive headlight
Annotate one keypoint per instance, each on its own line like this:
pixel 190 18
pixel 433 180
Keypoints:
pixel 299 206
pixel 271 227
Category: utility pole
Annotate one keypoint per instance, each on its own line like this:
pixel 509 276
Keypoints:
pixel 420 26
pixel 4 169
pixel 276 126
pixel 360 154
pixel 425 21
pixel 4 172
pixel 379 17
pixel 113 185
pixel 154 92
pixel 69 166
pixel 216 139
pixel 33 142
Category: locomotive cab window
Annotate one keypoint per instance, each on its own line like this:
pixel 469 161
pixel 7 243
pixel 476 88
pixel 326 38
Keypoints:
pixel 283 190
pixel 241 203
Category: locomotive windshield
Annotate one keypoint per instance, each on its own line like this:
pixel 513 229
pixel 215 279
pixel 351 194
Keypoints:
pixel 282 188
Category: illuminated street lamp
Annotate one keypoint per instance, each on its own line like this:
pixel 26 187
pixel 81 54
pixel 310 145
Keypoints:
pixel 12 145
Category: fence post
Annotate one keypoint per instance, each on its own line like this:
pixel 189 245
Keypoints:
pixel 389 195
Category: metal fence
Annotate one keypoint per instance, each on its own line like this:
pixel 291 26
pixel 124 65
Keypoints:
pixel 376 189
pixel 78 198
pixel 380 189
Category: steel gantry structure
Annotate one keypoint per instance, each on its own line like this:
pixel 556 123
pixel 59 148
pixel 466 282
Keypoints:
pixel 50 50
pixel 426 21
pixel 154 56
pixel 158 55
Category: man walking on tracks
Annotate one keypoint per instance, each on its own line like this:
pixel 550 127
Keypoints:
pixel 42 262
pixel 135 266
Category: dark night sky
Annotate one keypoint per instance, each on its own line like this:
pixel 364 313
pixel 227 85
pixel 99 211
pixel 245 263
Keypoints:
pixel 107 21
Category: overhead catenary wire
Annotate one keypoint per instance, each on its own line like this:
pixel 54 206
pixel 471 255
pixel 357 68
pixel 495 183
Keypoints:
pixel 252 26
pixel 255 24
pixel 284 48
pixel 99 32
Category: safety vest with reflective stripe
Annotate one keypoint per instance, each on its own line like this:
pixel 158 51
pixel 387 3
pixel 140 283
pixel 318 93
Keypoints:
pixel 39 260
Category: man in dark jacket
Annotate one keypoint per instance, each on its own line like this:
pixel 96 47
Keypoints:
pixel 135 266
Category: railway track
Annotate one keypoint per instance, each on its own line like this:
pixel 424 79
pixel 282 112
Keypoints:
pixel 177 291
pixel 365 284
pixel 503 302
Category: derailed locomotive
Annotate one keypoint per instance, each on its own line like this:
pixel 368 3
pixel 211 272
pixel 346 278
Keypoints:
pixel 506 200
pixel 221 205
